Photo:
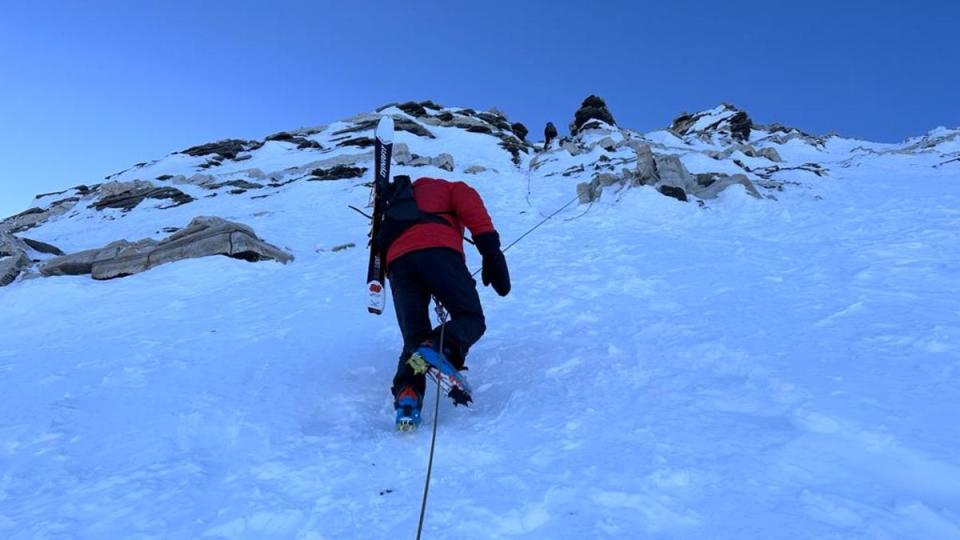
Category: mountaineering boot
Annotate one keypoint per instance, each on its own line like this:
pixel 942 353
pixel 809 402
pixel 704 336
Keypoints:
pixel 408 404
pixel 427 359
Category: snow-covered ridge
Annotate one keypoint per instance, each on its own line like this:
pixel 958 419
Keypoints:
pixel 337 151
pixel 695 159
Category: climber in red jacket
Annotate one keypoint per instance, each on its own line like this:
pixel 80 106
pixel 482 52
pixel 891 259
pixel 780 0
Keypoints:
pixel 426 260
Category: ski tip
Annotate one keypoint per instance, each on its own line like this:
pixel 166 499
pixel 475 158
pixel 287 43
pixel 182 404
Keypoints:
pixel 385 129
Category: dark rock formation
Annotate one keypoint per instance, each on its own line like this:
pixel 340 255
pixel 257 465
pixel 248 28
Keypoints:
pixel 414 109
pixel 514 146
pixel 127 195
pixel 359 142
pixel 476 128
pixel 549 133
pixel 675 192
pixel 30 211
pixel 226 149
pixel 240 184
pixel 18 254
pixel 204 236
pixel 338 172
pixel 491 122
pixel 592 108
pixel 42 195
pixel 519 130
pixel 400 123
pixel 37 216
pixel 496 119
pixel 739 125
pixel 301 142
pixel 682 124
pixel 709 185
pixel 768 172
pixel 42 247
pixel 725 119
pixel 13 258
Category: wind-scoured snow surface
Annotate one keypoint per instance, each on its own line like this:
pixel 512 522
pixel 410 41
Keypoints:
pixel 757 368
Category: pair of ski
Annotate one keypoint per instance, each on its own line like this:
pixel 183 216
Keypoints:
pixel 451 381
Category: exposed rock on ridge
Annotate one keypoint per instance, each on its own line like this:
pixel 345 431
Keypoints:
pixel 18 254
pixel 128 195
pixel 204 236
pixel 592 108
pixel 725 119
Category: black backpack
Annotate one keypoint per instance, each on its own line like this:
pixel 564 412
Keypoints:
pixel 400 212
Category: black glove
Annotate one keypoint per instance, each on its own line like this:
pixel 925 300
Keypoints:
pixel 494 264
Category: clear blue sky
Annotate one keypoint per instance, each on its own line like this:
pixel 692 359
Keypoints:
pixel 88 88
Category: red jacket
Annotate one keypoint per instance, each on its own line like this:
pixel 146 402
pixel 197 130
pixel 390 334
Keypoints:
pixel 456 202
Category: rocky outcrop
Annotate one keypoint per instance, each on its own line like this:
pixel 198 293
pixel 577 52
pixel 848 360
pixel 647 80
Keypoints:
pixel 239 186
pixel 18 254
pixel 401 153
pixel 592 108
pixel 443 161
pixel 670 171
pixel 339 172
pixel 25 220
pixel 359 142
pixel 514 146
pixel 225 149
pixel 739 125
pixel 301 142
pixel 549 133
pixel 204 236
pixel 128 195
pixel 474 169
pixel 368 122
pixel 709 185
pixel 769 152
pixel 572 147
pixel 519 130
pixel 493 122
pixel 724 120
pixel 37 216
pixel 674 192
pixel 13 257
pixel 42 247
pixel 667 174
pixel 646 169
pixel 781 134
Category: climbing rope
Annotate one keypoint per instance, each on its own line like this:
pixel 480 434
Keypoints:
pixel 442 317
pixel 535 227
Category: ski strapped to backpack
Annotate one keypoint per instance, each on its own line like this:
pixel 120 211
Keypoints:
pixel 377 267
pixel 394 211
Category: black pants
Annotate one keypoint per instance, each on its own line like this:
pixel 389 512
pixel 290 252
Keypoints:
pixel 414 278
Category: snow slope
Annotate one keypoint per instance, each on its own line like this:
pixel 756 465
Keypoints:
pixel 758 368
